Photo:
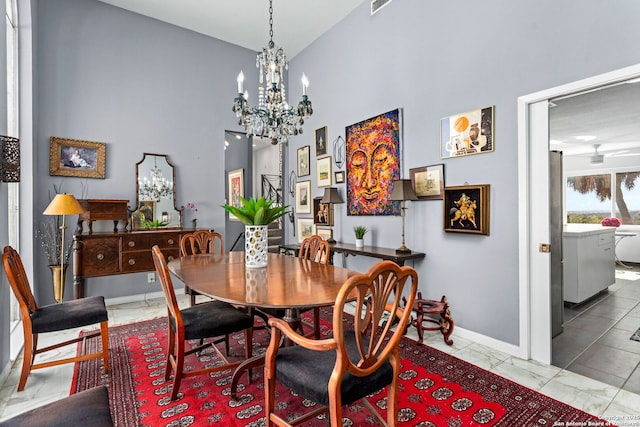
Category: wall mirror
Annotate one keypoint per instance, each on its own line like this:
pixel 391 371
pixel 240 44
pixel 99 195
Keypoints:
pixel 155 193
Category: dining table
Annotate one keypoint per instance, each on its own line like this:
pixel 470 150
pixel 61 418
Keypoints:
pixel 286 283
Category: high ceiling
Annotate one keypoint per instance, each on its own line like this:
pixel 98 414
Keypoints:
pixel 610 115
pixel 296 23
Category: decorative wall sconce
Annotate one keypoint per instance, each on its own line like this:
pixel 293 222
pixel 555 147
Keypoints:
pixel 339 152
pixel 9 159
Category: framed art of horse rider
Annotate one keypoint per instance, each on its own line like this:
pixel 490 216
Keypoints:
pixel 466 209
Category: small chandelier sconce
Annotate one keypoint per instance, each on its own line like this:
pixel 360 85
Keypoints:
pixel 9 159
pixel 292 184
pixel 402 190
pixel 273 118
pixel 339 151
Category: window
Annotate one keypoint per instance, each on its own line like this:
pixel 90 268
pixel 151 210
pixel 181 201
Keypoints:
pixel 590 198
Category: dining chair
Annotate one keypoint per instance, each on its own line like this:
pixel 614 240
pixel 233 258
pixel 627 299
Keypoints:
pixel 86 408
pixel 316 249
pixel 206 320
pixel 62 316
pixel 200 242
pixel 354 363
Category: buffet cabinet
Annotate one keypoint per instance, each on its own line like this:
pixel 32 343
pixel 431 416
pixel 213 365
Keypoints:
pixel 588 261
pixel 106 254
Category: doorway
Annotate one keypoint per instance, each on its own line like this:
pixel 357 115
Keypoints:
pixel 533 179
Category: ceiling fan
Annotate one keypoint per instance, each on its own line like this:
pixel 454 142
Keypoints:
pixel 596 158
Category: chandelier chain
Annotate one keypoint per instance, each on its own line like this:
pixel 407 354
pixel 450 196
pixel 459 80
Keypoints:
pixel 271 43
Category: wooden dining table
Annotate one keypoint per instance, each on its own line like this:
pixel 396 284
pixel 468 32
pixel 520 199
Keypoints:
pixel 286 283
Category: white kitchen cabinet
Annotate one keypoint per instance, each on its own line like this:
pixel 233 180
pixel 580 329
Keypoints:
pixel 588 260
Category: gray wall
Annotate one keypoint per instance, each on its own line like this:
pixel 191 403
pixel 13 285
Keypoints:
pixel 138 85
pixel 435 59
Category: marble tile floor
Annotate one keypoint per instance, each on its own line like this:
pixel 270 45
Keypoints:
pixel 591 396
pixel 596 338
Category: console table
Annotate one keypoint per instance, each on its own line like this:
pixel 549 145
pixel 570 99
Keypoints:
pixel 106 254
pixel 350 249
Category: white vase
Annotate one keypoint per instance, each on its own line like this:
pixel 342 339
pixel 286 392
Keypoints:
pixel 359 243
pixel 256 239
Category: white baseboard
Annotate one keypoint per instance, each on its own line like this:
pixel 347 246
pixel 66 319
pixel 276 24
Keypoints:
pixel 502 346
pixel 138 297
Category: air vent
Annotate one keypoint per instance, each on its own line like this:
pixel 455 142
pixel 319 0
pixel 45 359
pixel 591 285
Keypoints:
pixel 376 5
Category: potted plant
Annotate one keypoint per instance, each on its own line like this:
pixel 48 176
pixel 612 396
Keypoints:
pixel 360 231
pixel 256 214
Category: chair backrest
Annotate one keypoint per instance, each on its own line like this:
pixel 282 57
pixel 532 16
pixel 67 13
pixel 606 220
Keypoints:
pixel 377 291
pixel 167 285
pixel 201 242
pixel 19 281
pixel 315 248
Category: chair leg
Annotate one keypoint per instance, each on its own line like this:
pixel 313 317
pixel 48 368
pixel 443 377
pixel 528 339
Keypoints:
pixel 104 333
pixel 177 375
pixel 171 342
pixel 30 341
pixel 335 409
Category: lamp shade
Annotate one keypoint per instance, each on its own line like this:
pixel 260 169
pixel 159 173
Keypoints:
pixel 402 190
pixel 331 195
pixel 63 204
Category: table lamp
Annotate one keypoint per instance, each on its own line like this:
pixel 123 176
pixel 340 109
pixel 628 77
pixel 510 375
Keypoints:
pixel 331 197
pixel 62 204
pixel 402 190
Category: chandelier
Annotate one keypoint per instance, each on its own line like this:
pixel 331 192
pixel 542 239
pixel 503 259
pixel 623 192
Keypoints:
pixel 155 188
pixel 273 118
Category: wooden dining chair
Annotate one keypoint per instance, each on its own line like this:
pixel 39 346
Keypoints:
pixel 53 318
pixel 353 363
pixel 316 249
pixel 200 242
pixel 211 319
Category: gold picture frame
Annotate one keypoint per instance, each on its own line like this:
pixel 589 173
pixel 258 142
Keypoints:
pixel 303 197
pixel 323 172
pixel 236 190
pixel 77 158
pixel 466 209
pixel 305 228
pixel 467 133
pixel 428 182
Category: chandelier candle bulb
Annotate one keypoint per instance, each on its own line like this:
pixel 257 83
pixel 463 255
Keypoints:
pixel 240 80
pixel 305 84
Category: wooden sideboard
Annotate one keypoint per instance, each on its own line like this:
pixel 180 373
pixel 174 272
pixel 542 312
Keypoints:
pixel 106 254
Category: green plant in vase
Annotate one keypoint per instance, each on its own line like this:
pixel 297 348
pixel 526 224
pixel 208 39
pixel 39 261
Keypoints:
pixel 256 214
pixel 156 223
pixel 360 231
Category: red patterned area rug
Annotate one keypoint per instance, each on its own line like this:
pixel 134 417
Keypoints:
pixel 436 389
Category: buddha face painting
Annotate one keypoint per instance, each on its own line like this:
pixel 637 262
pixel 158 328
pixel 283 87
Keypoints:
pixel 373 163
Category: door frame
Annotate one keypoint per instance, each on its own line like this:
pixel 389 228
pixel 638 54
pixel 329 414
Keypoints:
pixel 533 184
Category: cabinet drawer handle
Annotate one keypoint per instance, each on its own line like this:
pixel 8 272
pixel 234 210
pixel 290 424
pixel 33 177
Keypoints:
pixel 132 261
pixel 131 243
pixel 100 257
pixel 170 241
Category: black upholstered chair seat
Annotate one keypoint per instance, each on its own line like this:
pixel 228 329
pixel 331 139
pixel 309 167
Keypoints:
pixel 69 314
pixel 87 408
pixel 307 373
pixel 212 319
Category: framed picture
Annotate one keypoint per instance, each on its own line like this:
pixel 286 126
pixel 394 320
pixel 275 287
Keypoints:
pixel 306 228
pixel 146 212
pixel 373 163
pixel 325 233
pixel 339 177
pixel 428 182
pixel 323 171
pixel 467 133
pixel 322 212
pixel 304 160
pixel 236 190
pixel 466 209
pixel 303 197
pixel 321 141
pixel 72 157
